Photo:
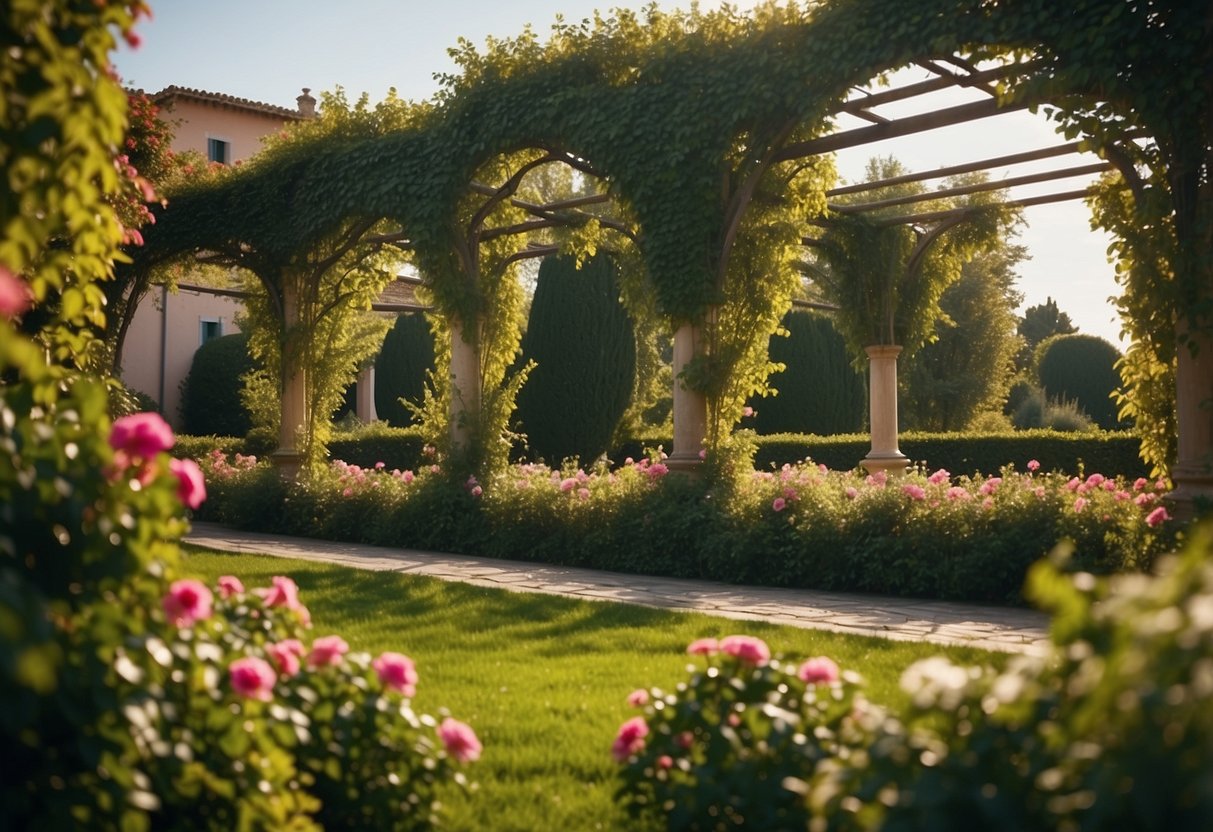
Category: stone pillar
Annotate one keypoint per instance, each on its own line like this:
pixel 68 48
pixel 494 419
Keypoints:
pixel 690 407
pixel 1193 471
pixel 465 385
pixel 288 457
pixel 882 372
pixel 364 399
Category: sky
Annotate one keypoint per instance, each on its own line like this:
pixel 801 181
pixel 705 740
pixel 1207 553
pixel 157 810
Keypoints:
pixel 269 50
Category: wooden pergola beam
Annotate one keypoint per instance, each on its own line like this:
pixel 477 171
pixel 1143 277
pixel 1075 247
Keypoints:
pixel 977 187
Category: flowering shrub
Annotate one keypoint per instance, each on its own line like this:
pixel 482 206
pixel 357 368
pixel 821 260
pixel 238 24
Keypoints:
pixel 714 753
pixel 925 534
pixel 237 712
pixel 1111 731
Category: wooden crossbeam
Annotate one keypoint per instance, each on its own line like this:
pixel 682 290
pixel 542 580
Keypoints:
pixel 977 187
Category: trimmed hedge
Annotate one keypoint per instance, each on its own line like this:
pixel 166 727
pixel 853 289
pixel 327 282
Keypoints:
pixel 394 447
pixel 961 453
pixel 210 400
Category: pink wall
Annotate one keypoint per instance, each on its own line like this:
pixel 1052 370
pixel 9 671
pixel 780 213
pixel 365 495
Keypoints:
pixel 202 120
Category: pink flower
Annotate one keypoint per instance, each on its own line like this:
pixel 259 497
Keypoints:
pixel 747 649
pixel 658 470
pixel 1143 500
pixel 704 647
pixel 665 761
pixel 630 739
pixel 779 504
pixel 191 486
pixel 286 655
pixel 747 411
pixel 396 672
pixel 1033 465
pixel 939 476
pixel 15 296
pixel 1080 504
pixel 459 740
pixel 878 479
pixel 477 491
pixel 407 476
pixel 252 678
pixel 583 493
pixel 1073 484
pixel 327 650
pixel 1096 480
pixel 1157 517
pixel 568 484
pixel 958 493
pixel 282 593
pixel 990 485
pixel 187 601
pixel 852 492
pixel 818 671
pixel 229 585
pixel 1140 484
pixel 141 434
pixel 914 492
pixel 638 697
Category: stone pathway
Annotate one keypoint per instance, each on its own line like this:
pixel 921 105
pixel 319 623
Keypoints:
pixel 990 628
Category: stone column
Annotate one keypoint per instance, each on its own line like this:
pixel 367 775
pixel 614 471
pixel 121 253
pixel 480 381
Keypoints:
pixel 465 385
pixel 690 407
pixel 288 457
pixel 364 400
pixel 882 372
pixel 1193 471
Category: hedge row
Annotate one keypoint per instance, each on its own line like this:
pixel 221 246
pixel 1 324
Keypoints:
pixel 1107 453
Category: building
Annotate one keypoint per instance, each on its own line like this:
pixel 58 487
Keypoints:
pixel 169 327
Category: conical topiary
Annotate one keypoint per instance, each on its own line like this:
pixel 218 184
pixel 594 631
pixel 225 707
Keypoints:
pixel 400 369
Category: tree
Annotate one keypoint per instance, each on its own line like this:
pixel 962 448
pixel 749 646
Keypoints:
pixel 968 368
pixel 1038 323
pixel 1082 368
pixel 401 368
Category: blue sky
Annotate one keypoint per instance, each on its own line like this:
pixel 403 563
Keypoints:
pixel 269 49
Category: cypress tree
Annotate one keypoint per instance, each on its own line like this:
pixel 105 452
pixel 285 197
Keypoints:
pixel 583 345
pixel 210 400
pixel 401 366
pixel 819 391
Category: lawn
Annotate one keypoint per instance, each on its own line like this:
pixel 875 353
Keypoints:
pixel 542 679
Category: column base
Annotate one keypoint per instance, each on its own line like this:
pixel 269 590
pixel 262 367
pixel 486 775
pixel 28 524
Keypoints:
pixel 684 463
pixel 893 464
pixel 1193 494
pixel 288 463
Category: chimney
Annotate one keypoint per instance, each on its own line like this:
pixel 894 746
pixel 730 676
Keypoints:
pixel 307 104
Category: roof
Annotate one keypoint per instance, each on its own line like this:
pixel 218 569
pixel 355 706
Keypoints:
pixel 166 95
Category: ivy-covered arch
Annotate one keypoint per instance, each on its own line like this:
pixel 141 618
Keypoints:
pixel 696 121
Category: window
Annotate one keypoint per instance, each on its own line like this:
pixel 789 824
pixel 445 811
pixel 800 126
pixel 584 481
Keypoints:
pixel 218 150
pixel 209 329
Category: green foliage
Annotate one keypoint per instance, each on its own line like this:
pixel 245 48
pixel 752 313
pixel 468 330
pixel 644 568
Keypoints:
pixel 1038 410
pixel 211 402
pixel 967 369
pixel 1106 732
pixel 583 345
pixel 405 358
pixel 1082 368
pixel 1039 322
pixel 818 389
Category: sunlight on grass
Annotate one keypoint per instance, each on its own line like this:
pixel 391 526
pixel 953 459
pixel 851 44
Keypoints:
pixel 543 679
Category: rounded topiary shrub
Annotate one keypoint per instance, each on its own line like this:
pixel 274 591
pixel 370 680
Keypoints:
pixel 1081 368
pixel 400 369
pixel 819 391
pixel 583 345
pixel 210 400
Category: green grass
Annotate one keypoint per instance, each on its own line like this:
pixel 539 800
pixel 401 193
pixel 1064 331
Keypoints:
pixel 543 679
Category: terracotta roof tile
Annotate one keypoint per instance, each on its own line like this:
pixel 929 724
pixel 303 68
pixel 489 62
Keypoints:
pixel 168 93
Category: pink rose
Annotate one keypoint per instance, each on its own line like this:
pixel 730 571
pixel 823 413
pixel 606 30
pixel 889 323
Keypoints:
pixel 15 296
pixel 914 492
pixel 1033 465
pixel 459 740
pixel 283 592
pixel 630 739
pixel 658 470
pixel 852 492
pixel 818 671
pixel 327 650
pixel 396 672
pixel 1080 504
pixel 747 649
pixel 1157 517
pixel 141 434
pixel 191 486
pixel 779 504
pixel 187 601
pixel 939 476
pixel 229 585
pixel 286 655
pixel 638 698
pixel 704 647
pixel 252 678
pixel 1140 484
pixel 990 485
pixel 957 493
pixel 665 761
